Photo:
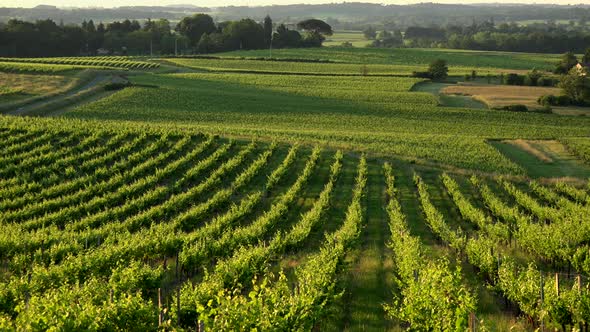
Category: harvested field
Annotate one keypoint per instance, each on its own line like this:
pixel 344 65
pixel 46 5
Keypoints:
pixel 503 95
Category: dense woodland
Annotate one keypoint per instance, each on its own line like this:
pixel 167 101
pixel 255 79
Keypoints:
pixel 195 34
pixel 546 37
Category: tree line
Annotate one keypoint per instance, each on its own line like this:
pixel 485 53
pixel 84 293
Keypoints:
pixel 197 34
pixel 539 38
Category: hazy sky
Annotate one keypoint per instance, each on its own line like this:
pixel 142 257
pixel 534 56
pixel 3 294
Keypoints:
pixel 213 3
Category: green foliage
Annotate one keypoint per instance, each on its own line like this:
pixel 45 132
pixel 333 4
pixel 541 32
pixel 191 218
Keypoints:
pixel 285 38
pixel 533 77
pixel 86 307
pixel 576 87
pixel 466 59
pixel 316 26
pixel 274 304
pixel 16 67
pixel 513 79
pixel 586 57
pixel 435 219
pixel 551 100
pixel 351 112
pixel 579 146
pixel 515 108
pixel 194 27
pixel 423 281
pixel 370 32
pixel 438 70
pixel 86 247
pixel 567 62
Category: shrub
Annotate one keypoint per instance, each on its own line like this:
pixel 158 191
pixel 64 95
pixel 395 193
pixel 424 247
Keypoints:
pixel 551 100
pixel 116 86
pixel 547 100
pixel 513 79
pixel 563 100
pixel 421 74
pixel 532 78
pixel 438 70
pixel 528 81
pixel 515 108
pixel 546 81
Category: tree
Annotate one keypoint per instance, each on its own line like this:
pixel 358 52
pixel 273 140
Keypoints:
pixel 195 26
pixel 388 39
pixel 267 30
pixel 576 87
pixel 533 77
pixel 245 34
pixel 286 38
pixel 204 45
pixel 370 32
pixel 438 70
pixel 586 58
pixel 568 61
pixel 316 29
pixel 315 26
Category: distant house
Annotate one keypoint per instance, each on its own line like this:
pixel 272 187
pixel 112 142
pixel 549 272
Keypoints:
pixel 582 71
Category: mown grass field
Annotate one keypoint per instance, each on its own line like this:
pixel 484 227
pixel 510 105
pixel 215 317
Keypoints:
pixel 244 194
pixel 18 86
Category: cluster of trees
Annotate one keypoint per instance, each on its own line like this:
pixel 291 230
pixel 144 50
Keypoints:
pixel 542 38
pixel 575 89
pixel 569 60
pixel 207 37
pixel 389 39
pixel 195 34
pixel 533 78
pixel 574 82
pixel 46 38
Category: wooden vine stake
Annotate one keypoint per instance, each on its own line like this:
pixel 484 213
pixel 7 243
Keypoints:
pixel 542 299
pixel 177 267
pixel 160 307
pixel 472 322
pixel 557 283
pixel 178 307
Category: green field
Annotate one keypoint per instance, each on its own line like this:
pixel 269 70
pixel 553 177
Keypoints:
pixel 235 194
pixel 106 62
pixel 361 113
pixel 356 38
pixel 311 68
pixel 412 56
pixel 109 222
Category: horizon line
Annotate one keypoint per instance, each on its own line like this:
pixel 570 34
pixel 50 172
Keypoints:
pixel 188 5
